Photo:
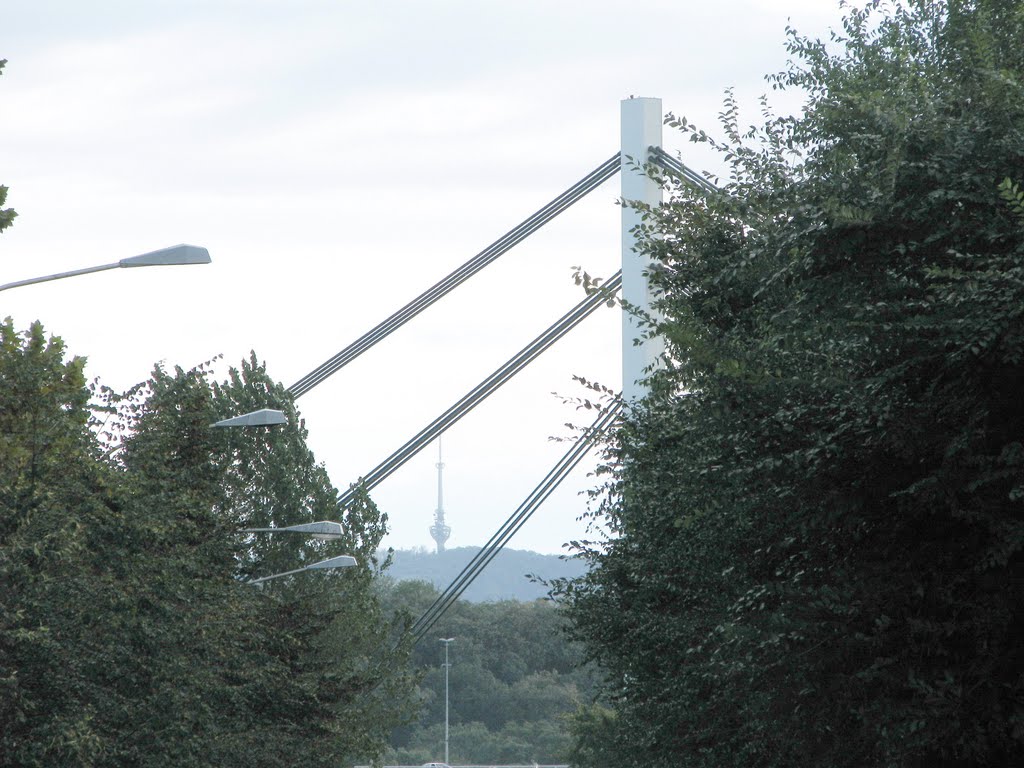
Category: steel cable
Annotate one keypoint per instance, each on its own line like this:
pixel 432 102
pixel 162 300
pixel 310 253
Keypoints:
pixel 483 390
pixel 661 158
pixel 579 190
pixel 514 523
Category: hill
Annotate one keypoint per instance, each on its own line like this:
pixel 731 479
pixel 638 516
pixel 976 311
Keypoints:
pixel 505 577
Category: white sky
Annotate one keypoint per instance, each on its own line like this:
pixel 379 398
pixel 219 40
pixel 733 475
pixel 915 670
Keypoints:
pixel 337 158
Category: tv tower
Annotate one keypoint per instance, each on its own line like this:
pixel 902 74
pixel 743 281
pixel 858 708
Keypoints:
pixel 439 531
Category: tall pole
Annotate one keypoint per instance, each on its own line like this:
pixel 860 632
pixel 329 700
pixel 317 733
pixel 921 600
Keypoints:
pixel 446 641
pixel 640 130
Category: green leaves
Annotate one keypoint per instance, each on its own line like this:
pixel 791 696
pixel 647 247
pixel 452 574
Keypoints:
pixel 6 214
pixel 127 633
pixel 514 680
pixel 818 511
pixel 1012 194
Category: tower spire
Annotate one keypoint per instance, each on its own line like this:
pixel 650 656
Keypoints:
pixel 439 531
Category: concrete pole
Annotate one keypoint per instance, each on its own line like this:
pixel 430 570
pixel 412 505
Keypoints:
pixel 641 129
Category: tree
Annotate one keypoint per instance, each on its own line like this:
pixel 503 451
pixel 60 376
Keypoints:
pixel 513 682
pixel 333 678
pixel 47 467
pixel 817 514
pixel 127 633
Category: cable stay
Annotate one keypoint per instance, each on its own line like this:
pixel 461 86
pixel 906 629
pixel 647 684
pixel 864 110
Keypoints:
pixel 516 521
pixel 575 193
pixel 479 393
pixel 663 159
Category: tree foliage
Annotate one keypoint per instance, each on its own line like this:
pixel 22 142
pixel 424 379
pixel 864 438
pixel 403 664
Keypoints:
pixel 514 680
pixel 46 468
pixel 817 513
pixel 127 633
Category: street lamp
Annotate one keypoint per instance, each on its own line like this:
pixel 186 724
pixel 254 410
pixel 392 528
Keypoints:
pixel 262 417
pixel 324 529
pixel 446 641
pixel 341 561
pixel 179 254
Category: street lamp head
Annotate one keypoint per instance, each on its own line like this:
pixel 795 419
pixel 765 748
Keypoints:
pixel 341 561
pixel 178 254
pixel 322 529
pixel 262 417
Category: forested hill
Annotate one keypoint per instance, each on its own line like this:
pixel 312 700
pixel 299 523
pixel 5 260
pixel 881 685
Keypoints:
pixel 505 578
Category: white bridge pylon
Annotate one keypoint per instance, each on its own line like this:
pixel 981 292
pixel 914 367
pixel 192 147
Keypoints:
pixel 641 121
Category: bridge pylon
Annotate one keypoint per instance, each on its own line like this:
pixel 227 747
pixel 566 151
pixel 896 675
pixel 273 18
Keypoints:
pixel 641 120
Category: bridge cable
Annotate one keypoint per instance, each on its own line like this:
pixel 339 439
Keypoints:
pixel 483 390
pixel 497 542
pixel 514 523
pixel 660 157
pixel 575 193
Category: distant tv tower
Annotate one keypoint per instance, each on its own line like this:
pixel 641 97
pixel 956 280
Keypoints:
pixel 439 531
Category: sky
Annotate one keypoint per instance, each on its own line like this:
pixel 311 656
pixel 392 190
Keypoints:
pixel 338 158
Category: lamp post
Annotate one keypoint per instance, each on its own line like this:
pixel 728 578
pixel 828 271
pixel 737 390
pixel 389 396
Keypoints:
pixel 447 641
pixel 323 529
pixel 177 255
pixel 341 561
pixel 260 418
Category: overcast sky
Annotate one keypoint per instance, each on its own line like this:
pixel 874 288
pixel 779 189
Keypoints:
pixel 337 158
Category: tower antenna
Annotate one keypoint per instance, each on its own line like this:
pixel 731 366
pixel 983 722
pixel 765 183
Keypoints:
pixel 439 531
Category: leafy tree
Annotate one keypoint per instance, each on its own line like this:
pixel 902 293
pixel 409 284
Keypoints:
pixel 817 514
pixel 47 467
pixel 333 681
pixel 127 635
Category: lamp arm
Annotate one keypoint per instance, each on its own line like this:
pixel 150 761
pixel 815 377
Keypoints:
pixel 59 275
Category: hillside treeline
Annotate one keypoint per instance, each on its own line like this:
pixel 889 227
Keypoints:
pixel 508 576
